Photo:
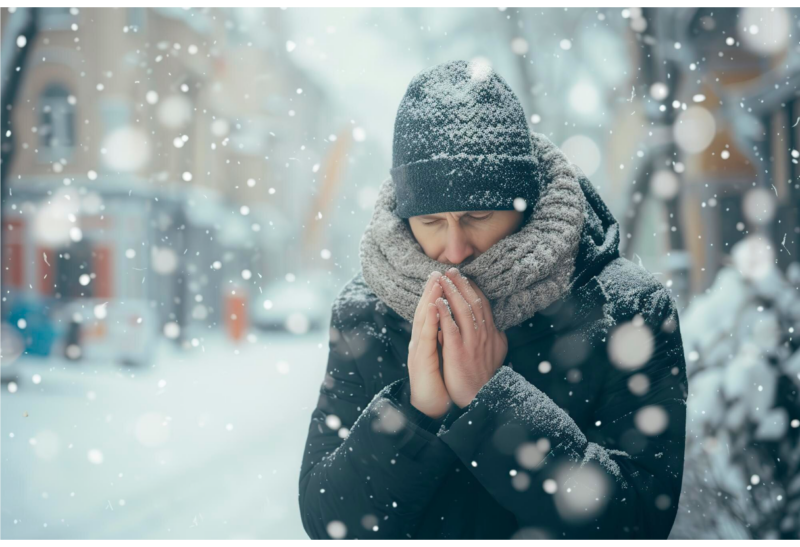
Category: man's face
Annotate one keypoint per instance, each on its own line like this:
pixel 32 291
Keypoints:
pixel 457 238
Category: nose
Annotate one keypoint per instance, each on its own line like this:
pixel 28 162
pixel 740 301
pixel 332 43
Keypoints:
pixel 458 248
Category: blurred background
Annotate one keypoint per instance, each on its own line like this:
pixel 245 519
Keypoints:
pixel 183 196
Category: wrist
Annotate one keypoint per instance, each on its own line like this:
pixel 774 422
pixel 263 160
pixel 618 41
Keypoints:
pixel 433 413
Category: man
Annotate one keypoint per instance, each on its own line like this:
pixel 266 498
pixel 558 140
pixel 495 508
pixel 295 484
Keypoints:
pixel 538 391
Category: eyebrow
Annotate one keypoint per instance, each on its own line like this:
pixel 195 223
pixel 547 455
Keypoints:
pixel 434 217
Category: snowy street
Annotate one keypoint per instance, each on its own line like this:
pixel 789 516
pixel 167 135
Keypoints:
pixel 202 444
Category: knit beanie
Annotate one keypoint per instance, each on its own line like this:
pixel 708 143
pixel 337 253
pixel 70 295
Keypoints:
pixel 461 143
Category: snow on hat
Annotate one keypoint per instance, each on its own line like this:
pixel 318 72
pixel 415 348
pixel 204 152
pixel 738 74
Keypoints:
pixel 461 143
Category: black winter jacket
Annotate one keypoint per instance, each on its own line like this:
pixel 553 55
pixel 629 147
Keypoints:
pixel 580 434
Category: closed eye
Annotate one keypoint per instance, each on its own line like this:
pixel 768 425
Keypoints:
pixel 471 217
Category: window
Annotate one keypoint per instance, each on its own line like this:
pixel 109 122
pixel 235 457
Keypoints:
pixel 136 18
pixel 71 263
pixel 56 122
pixel 115 112
pixel 57 18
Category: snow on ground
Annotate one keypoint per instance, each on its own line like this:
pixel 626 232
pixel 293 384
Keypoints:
pixel 204 443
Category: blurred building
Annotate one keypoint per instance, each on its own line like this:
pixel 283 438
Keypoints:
pixel 163 159
pixel 736 133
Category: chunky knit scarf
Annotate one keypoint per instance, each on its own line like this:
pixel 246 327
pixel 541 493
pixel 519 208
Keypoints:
pixel 520 274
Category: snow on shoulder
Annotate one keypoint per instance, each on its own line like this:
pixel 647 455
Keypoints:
pixel 358 311
pixel 355 303
pixel 631 290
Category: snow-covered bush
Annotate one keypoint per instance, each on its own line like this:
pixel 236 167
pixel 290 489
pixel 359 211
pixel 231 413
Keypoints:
pixel 742 467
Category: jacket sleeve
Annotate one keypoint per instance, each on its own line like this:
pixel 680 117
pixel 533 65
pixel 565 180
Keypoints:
pixel 370 464
pixel 563 482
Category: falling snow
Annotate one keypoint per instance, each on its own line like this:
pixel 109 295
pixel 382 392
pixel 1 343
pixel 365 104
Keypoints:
pixel 190 235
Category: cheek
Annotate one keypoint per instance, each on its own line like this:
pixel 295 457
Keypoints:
pixel 488 237
pixel 482 241
pixel 432 244
pixel 436 247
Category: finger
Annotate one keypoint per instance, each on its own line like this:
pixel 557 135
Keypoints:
pixel 421 311
pixel 469 294
pixel 419 314
pixel 459 307
pixel 427 338
pixel 436 292
pixel 450 331
pixel 488 318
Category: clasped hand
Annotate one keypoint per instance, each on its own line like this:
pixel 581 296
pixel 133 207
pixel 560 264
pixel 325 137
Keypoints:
pixel 472 347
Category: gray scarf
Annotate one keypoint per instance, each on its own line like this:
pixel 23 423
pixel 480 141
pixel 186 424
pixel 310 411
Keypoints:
pixel 521 274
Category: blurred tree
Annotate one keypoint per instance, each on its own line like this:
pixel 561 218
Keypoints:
pixel 742 466
pixel 20 34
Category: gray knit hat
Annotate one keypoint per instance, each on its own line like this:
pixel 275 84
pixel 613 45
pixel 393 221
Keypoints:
pixel 461 143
